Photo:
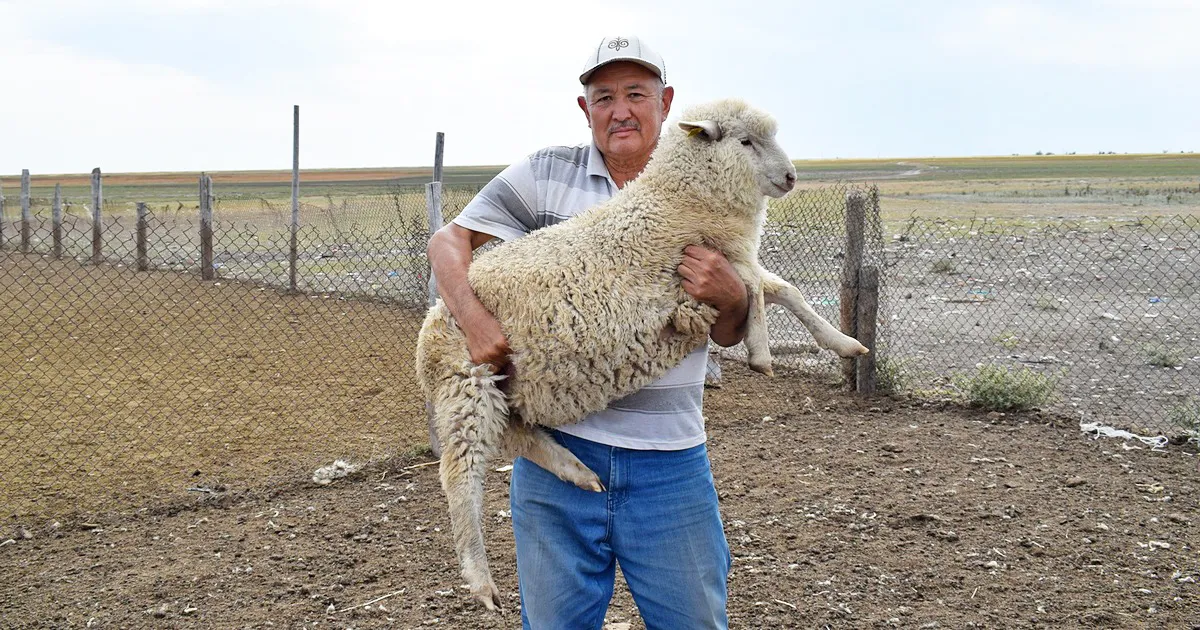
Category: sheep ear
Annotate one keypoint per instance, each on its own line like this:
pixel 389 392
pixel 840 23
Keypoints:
pixel 708 129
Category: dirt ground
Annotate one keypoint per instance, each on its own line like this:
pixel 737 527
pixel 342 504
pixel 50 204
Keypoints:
pixel 122 388
pixel 840 512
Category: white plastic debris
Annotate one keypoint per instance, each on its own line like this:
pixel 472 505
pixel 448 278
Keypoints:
pixel 1154 442
pixel 338 469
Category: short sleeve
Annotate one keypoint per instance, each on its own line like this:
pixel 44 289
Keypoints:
pixel 506 207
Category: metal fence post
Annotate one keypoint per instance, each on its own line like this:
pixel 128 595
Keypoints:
pixel 294 227
pixel 851 268
pixel 56 221
pixel 143 261
pixel 438 152
pixel 26 217
pixel 1 217
pixel 97 204
pixel 868 313
pixel 433 206
pixel 206 229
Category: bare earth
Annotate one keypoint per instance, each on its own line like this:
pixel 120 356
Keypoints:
pixel 840 512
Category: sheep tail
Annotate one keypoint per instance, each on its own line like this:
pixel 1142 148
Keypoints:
pixel 471 415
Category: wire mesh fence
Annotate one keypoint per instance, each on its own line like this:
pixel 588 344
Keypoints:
pixel 132 382
pixel 1107 312
pixel 124 385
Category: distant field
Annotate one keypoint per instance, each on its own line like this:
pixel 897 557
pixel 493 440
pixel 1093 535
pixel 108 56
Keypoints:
pixel 1019 188
pixel 1024 189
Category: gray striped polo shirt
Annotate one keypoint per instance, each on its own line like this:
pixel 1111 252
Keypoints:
pixel 551 186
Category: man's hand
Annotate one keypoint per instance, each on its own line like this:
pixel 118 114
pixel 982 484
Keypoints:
pixel 486 341
pixel 710 278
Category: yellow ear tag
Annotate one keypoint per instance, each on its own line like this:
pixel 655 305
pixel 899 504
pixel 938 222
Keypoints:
pixel 695 131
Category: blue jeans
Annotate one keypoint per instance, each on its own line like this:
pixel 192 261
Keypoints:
pixel 658 519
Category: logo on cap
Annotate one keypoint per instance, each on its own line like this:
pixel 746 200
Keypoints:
pixel 618 43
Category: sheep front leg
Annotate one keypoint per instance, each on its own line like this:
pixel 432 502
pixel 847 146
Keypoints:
pixel 471 414
pixel 758 346
pixel 776 290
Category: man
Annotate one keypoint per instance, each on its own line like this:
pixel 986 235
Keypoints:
pixel 658 517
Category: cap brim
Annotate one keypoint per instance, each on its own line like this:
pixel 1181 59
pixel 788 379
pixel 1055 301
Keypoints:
pixel 583 78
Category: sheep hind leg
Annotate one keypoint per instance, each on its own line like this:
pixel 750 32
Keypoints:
pixel 534 444
pixel 471 416
pixel 776 290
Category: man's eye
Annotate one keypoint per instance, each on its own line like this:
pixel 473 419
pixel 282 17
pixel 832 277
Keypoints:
pixel 635 96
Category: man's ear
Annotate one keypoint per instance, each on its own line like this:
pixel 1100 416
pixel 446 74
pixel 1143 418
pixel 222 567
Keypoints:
pixel 706 129
pixel 668 95
pixel 583 105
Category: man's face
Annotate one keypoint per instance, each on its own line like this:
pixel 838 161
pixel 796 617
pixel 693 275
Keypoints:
pixel 625 111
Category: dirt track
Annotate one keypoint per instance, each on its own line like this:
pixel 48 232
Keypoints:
pixel 840 513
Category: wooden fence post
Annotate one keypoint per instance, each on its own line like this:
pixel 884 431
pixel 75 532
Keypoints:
pixel 851 268
pixel 56 221
pixel 97 205
pixel 868 315
pixel 206 228
pixel 143 260
pixel 294 245
pixel 26 215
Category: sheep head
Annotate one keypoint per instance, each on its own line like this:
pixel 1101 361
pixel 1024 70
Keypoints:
pixel 742 141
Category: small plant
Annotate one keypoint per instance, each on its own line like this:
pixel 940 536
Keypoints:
pixel 998 388
pixel 892 375
pixel 1159 355
pixel 1186 416
pixel 1008 339
pixel 944 265
pixel 1047 303
pixel 419 450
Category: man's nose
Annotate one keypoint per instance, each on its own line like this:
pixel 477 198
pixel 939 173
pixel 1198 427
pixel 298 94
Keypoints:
pixel 622 111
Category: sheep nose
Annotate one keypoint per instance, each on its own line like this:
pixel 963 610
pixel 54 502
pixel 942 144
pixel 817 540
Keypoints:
pixel 790 178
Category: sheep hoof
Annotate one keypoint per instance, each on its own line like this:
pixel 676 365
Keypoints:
pixel 586 481
pixel 848 347
pixel 488 595
pixel 763 368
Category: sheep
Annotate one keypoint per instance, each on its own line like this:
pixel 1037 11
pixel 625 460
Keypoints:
pixel 594 310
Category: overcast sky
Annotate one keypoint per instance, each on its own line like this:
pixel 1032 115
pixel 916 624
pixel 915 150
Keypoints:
pixel 165 85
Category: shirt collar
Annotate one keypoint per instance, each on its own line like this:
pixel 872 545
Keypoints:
pixel 596 165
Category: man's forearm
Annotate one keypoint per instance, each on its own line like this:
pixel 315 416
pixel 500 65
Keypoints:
pixel 730 327
pixel 450 255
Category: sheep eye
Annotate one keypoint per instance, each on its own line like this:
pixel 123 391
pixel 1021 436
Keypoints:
pixel 746 142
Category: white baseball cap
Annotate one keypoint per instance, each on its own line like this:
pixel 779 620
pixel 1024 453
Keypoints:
pixel 619 48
